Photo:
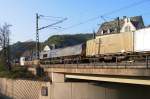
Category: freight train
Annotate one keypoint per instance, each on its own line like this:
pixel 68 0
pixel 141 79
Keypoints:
pixel 125 46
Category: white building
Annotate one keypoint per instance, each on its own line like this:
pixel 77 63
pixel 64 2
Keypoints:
pixel 121 25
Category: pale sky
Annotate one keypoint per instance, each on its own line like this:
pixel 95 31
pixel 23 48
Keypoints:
pixel 21 15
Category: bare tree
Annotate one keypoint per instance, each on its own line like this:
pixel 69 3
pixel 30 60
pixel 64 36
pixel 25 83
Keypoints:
pixel 4 45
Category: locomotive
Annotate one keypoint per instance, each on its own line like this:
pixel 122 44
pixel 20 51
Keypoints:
pixel 69 54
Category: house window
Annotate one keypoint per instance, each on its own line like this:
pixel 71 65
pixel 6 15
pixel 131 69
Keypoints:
pixel 102 32
pixel 108 31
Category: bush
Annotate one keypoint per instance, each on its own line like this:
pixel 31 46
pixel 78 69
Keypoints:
pixel 17 72
pixel 20 72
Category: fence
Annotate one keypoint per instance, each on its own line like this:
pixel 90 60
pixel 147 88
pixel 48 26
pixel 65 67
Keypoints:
pixel 20 89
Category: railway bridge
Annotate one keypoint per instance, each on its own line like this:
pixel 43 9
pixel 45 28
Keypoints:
pixel 138 73
pixel 101 81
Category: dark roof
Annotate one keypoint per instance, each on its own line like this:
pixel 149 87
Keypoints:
pixel 137 21
pixel 28 54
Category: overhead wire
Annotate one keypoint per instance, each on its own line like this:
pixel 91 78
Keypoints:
pixel 51 17
pixel 126 7
pixel 108 13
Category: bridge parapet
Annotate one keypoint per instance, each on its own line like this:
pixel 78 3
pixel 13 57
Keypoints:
pixel 97 70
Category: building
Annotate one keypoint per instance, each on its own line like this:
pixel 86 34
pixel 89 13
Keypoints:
pixel 29 55
pixel 125 24
pixel 45 52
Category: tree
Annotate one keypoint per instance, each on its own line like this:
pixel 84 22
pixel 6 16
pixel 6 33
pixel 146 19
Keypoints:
pixel 4 45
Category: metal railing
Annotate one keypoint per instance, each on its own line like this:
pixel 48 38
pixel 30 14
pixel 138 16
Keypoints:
pixel 96 65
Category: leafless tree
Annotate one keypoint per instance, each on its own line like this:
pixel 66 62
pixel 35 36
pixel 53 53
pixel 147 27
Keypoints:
pixel 4 45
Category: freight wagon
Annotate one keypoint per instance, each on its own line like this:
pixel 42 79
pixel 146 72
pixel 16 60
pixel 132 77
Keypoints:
pixel 120 44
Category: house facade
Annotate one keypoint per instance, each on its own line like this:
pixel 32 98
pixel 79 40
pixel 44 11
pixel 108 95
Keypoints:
pixel 126 24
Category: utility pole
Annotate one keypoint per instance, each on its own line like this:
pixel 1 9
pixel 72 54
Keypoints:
pixel 37 37
pixel 39 69
pixel 38 29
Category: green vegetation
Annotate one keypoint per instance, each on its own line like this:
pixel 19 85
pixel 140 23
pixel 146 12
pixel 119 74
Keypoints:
pixel 20 73
pixel 17 72
pixel 67 40
pixel 19 48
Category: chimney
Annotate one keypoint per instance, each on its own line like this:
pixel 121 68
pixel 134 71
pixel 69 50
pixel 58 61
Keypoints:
pixel 94 34
pixel 118 25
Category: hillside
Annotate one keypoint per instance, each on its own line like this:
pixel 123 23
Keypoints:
pixel 19 48
pixel 67 40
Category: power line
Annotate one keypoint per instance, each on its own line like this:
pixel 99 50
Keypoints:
pixel 51 17
pixel 60 21
pixel 103 18
pixel 44 27
pixel 146 13
pixel 126 7
pixel 108 13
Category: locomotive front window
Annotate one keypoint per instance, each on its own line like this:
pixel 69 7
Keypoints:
pixel 45 55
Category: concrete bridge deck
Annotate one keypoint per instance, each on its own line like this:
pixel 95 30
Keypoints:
pixel 99 70
pixel 118 74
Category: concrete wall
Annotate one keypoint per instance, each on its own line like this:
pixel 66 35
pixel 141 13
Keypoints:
pixel 26 89
pixel 97 91
pixel 74 91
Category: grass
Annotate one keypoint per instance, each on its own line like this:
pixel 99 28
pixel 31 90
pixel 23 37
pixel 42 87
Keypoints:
pixel 21 73
pixel 16 72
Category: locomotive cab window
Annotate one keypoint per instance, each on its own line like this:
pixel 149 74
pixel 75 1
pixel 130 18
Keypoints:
pixel 45 55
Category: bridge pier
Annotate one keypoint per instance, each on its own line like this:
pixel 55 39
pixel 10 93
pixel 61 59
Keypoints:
pixel 57 77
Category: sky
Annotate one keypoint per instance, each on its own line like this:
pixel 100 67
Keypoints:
pixel 21 15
